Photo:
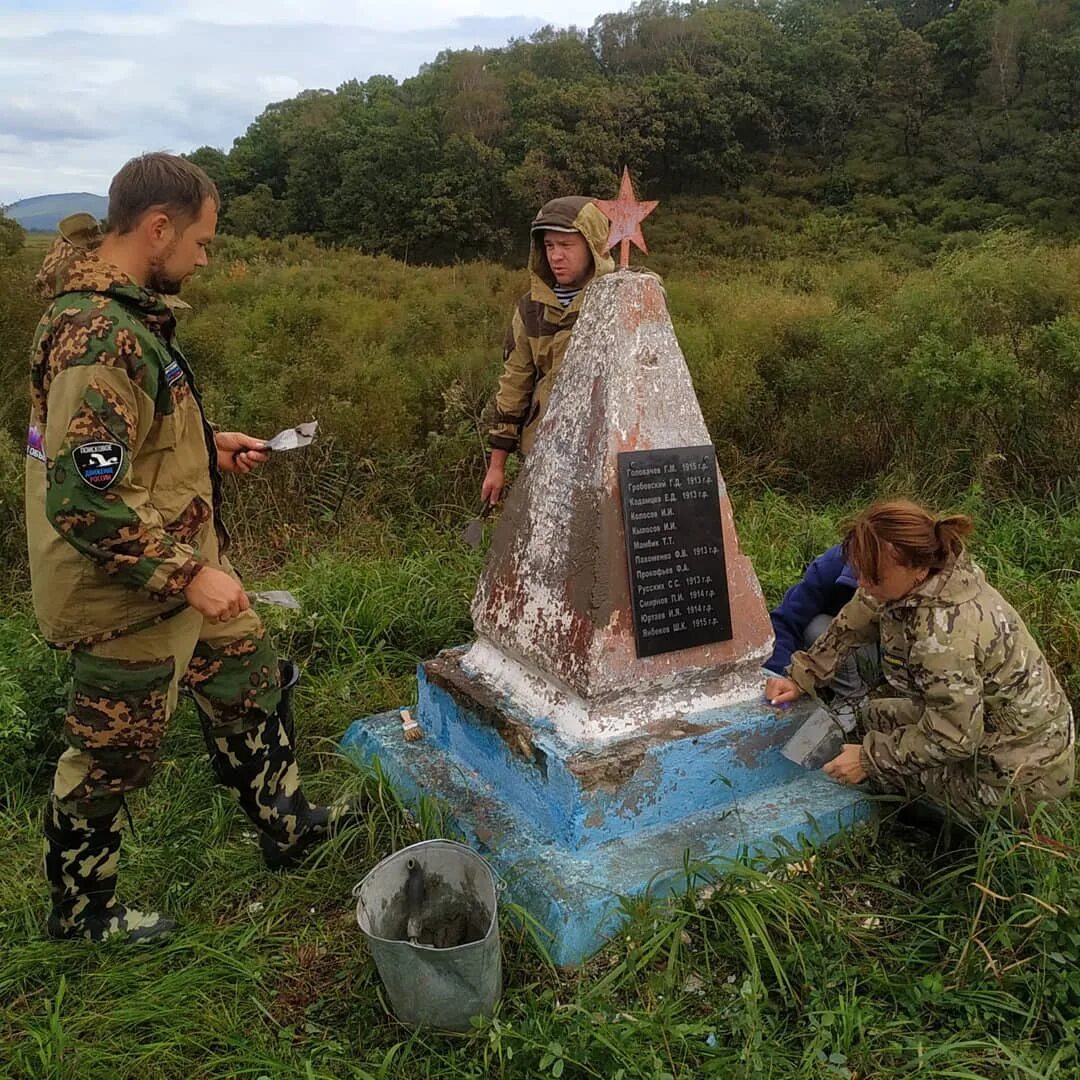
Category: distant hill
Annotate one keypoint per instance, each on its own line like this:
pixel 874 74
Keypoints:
pixel 44 212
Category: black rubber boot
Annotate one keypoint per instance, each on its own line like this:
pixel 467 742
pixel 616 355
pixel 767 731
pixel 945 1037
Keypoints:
pixel 259 767
pixel 923 815
pixel 949 832
pixel 81 860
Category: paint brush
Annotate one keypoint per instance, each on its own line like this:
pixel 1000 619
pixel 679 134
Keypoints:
pixel 410 729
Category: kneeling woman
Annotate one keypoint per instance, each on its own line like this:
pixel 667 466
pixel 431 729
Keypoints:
pixel 973 718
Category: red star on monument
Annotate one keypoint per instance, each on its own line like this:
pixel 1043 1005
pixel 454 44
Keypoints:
pixel 626 215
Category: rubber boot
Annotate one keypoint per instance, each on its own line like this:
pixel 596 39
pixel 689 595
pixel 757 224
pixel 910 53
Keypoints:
pixel 81 859
pixel 289 675
pixel 259 767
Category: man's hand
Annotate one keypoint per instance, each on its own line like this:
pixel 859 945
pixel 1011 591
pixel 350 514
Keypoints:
pixel 239 453
pixel 781 691
pixel 847 766
pixel 216 595
pixel 495 478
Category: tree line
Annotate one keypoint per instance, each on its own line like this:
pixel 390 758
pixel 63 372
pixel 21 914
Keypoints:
pixel 962 112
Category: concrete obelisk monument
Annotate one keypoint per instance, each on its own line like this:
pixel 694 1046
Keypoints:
pixel 608 719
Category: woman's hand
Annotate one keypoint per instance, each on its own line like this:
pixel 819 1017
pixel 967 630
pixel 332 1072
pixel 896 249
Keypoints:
pixel 847 766
pixel 781 691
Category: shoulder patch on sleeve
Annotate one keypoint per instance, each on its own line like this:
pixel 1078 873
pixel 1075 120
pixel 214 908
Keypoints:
pixel 99 463
pixel 173 371
pixel 35 444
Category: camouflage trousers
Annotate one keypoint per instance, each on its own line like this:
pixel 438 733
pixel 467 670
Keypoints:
pixel 972 789
pixel 124 693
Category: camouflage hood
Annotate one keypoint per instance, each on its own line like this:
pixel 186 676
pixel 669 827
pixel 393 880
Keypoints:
pixel 957 583
pixel 72 265
pixel 573 212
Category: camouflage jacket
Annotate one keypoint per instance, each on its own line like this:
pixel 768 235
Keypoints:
pixel 540 330
pixel 966 680
pixel 122 490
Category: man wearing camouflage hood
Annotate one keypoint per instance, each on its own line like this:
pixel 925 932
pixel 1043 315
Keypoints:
pixel 128 552
pixel 569 238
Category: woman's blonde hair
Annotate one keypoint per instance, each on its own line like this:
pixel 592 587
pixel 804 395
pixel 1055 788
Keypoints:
pixel 917 537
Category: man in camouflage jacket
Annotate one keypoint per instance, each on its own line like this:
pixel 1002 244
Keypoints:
pixel 128 552
pixel 972 717
pixel 543 321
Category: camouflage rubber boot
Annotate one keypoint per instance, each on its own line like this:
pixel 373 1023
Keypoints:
pixel 259 766
pixel 81 859
pixel 289 675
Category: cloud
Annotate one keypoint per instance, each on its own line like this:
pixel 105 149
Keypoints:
pixel 38 121
pixel 74 106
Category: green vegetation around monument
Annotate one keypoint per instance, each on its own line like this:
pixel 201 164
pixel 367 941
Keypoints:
pixel 824 380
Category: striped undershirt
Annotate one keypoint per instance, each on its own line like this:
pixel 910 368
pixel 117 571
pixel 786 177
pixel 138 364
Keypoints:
pixel 565 293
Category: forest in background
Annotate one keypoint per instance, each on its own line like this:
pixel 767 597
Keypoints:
pixel 906 122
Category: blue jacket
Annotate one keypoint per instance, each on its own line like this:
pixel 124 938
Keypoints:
pixel 828 584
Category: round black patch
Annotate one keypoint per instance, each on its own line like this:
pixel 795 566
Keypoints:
pixel 99 463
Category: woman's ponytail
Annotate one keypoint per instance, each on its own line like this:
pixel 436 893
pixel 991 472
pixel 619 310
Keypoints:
pixel 915 535
pixel 950 532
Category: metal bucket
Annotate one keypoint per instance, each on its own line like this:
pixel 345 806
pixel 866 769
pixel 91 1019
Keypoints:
pixel 451 970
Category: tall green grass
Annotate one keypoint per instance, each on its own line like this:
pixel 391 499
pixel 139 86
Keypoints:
pixel 817 373
pixel 825 383
pixel 880 956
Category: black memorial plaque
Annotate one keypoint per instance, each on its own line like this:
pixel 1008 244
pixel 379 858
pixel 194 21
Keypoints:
pixel 675 548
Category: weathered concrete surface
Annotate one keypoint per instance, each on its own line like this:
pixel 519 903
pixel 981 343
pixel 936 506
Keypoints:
pixel 583 795
pixel 574 892
pixel 553 609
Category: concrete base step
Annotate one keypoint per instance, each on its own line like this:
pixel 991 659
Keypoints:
pixel 575 895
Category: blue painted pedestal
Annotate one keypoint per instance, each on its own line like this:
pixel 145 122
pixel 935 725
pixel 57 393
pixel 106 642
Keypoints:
pixel 573 828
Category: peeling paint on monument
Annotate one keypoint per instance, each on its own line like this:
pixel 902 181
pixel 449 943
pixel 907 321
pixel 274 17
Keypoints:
pixel 553 609
pixel 583 772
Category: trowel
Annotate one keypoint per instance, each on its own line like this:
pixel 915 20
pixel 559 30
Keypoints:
pixel 414 901
pixel 276 597
pixel 292 438
pixel 817 742
pixel 295 437
pixel 473 533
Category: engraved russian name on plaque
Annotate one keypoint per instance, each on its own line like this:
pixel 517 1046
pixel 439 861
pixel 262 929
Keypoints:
pixel 674 548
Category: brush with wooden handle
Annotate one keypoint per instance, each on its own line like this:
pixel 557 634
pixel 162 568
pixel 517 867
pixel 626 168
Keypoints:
pixel 410 729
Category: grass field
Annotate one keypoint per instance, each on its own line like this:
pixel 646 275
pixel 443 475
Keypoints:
pixel 876 957
pixel 825 381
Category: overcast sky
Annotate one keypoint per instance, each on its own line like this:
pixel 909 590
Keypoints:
pixel 86 84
